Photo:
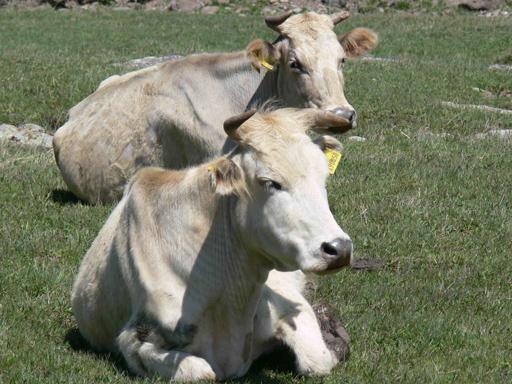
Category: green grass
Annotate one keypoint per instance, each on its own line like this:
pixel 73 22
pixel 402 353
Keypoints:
pixel 437 211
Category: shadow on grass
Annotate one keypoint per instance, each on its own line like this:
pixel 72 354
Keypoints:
pixel 65 197
pixel 78 344
pixel 281 361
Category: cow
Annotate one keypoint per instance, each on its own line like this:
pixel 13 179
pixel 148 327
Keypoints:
pixel 199 271
pixel 170 115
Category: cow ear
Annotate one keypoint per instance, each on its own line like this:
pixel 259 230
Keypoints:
pixel 358 41
pixel 328 142
pixel 226 177
pixel 262 54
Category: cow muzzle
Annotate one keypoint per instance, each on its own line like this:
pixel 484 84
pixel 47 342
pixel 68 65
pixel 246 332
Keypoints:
pixel 336 254
pixel 346 113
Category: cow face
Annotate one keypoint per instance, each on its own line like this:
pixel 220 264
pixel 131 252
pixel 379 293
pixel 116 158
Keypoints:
pixel 285 215
pixel 309 58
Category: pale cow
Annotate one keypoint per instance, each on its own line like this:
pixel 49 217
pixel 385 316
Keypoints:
pixel 171 114
pixel 198 272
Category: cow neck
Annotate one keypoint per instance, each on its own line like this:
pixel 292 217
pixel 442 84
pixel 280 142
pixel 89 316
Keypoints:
pixel 266 91
pixel 243 272
pixel 248 88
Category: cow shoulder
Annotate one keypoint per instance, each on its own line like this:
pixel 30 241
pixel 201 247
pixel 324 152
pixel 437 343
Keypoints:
pixel 151 179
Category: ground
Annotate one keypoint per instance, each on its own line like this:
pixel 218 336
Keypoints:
pixel 423 193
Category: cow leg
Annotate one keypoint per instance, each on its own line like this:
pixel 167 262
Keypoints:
pixel 146 356
pixel 302 334
pixel 284 315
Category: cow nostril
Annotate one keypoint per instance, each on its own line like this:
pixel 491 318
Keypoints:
pixel 329 248
pixel 348 114
pixel 337 247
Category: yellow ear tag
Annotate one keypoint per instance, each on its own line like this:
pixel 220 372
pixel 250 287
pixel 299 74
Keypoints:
pixel 267 65
pixel 333 159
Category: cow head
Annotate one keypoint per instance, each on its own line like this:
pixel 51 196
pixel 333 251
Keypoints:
pixel 309 58
pixel 284 215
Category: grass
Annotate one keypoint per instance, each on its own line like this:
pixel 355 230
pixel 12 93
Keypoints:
pixel 437 211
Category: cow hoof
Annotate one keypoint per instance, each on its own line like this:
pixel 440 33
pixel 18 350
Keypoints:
pixel 333 332
pixel 195 368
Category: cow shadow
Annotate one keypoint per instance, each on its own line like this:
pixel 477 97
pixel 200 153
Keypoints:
pixel 279 360
pixel 77 343
pixel 65 197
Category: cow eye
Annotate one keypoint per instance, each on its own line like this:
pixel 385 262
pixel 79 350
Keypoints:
pixel 297 66
pixel 270 185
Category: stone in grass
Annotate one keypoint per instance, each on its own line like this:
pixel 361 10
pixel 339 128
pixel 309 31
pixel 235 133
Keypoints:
pixel 210 10
pixel 185 5
pixel 426 135
pixel 500 133
pixel 28 134
pixel 356 138
pixel 476 5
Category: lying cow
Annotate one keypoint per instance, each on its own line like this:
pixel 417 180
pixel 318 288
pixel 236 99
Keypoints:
pixel 198 272
pixel 171 114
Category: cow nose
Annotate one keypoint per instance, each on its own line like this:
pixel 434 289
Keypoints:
pixel 348 114
pixel 337 253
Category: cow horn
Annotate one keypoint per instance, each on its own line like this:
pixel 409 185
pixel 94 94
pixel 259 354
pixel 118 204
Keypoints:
pixel 275 21
pixel 339 17
pixel 232 124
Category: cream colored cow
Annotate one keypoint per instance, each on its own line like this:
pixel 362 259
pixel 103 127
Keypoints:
pixel 171 114
pixel 198 272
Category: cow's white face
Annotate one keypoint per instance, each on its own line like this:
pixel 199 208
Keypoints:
pixel 309 58
pixel 287 218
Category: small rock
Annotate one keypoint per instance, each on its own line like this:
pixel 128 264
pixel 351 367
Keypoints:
pixel 425 135
pixel 382 59
pixel 7 130
pixel 71 4
pixel 267 11
pixel 501 67
pixel 357 138
pixel 210 10
pixel 29 134
pixel 476 5
pixel 484 92
pixel 185 5
pixel 500 133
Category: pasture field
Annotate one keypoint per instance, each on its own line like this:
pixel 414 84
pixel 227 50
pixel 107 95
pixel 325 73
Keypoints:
pixel 422 194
